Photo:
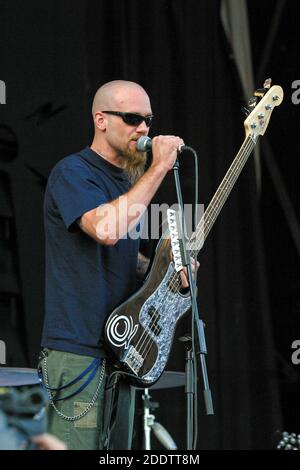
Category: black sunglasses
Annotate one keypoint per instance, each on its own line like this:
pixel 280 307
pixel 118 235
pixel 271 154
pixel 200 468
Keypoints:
pixel 132 119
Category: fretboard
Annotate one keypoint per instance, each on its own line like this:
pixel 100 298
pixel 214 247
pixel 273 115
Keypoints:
pixel 214 208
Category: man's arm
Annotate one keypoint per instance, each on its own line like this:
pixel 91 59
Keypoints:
pixel 111 221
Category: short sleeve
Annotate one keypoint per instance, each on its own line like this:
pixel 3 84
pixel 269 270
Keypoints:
pixel 75 191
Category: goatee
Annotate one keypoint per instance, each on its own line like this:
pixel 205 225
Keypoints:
pixel 134 164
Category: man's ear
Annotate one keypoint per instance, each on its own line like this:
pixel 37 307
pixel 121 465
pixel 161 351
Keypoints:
pixel 100 121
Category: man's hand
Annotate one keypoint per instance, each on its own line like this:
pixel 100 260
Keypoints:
pixel 165 151
pixel 184 275
pixel 48 442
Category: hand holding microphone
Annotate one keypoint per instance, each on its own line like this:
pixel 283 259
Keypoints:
pixel 144 144
pixel 165 149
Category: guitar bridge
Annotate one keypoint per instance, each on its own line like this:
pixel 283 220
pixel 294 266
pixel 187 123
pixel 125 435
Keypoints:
pixel 133 360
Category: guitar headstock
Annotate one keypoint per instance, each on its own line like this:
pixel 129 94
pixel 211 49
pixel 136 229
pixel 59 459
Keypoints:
pixel 260 108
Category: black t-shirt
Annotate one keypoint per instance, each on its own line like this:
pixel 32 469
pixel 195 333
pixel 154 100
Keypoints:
pixel 84 279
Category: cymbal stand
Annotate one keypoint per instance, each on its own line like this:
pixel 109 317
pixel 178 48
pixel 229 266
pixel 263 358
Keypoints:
pixel 151 425
pixel 148 418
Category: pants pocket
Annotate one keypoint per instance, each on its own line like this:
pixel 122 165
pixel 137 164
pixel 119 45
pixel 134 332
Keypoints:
pixel 90 420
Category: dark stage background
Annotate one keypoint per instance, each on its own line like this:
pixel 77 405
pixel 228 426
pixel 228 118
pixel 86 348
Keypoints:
pixel 53 57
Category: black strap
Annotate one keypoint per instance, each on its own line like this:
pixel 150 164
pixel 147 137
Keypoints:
pixel 117 413
pixel 110 393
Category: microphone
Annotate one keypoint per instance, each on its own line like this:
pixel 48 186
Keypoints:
pixel 144 144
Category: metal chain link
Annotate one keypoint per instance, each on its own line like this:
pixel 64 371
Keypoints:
pixel 89 406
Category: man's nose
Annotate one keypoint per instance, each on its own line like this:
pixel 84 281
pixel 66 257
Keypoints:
pixel 142 127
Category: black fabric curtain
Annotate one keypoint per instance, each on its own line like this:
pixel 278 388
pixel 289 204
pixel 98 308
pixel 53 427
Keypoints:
pixel 177 50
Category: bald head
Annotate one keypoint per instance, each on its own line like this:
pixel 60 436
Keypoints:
pixel 115 138
pixel 113 95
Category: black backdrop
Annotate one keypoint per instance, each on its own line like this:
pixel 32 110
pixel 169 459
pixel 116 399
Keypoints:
pixel 53 58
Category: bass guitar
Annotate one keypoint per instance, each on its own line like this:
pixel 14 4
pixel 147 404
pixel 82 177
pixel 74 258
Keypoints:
pixel 140 331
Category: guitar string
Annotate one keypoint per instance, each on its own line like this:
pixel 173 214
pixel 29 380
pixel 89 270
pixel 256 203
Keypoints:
pixel 175 281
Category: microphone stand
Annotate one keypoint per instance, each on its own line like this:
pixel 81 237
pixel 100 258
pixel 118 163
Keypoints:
pixel 190 357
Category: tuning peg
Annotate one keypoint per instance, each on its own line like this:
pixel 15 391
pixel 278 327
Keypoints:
pixel 245 110
pixel 267 83
pixel 260 92
pixel 252 102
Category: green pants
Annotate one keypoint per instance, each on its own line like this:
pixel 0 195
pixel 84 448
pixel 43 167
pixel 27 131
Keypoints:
pixel 88 432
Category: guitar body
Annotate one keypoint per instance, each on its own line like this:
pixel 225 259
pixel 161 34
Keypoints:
pixel 140 331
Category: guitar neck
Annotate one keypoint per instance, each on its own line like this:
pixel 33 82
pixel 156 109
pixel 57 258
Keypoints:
pixel 214 208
